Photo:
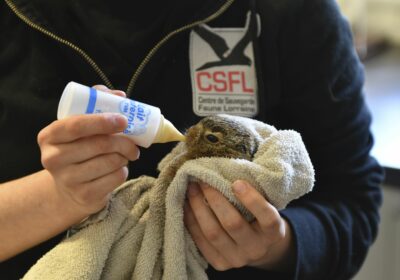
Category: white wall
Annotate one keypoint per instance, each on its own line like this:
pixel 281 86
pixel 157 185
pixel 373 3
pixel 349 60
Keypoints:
pixel 379 18
pixel 384 19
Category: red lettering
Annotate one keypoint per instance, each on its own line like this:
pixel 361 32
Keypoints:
pixel 244 88
pixel 200 81
pixel 219 81
pixel 231 79
pixel 222 81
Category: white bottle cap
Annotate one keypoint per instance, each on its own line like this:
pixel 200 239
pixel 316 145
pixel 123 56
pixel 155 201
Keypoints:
pixel 72 101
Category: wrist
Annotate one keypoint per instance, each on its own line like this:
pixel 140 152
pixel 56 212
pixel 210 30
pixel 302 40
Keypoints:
pixel 69 211
pixel 79 200
pixel 33 204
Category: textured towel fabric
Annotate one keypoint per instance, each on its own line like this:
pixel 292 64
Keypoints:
pixel 141 235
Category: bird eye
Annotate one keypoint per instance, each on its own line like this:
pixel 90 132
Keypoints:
pixel 212 138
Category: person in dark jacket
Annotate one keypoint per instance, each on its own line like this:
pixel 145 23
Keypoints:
pixel 289 63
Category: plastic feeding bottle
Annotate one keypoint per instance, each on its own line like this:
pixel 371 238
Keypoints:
pixel 146 124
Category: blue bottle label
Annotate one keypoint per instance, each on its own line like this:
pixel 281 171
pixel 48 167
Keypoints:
pixel 92 101
pixel 137 114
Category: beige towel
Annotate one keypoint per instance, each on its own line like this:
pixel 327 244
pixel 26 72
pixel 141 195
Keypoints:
pixel 141 235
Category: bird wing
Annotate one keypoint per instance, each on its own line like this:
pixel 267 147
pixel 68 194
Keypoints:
pixel 209 65
pixel 250 26
pixel 216 42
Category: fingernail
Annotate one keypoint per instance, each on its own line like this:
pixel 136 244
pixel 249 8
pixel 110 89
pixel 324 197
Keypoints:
pixel 119 93
pixel 239 187
pixel 193 189
pixel 126 171
pixel 138 154
pixel 101 87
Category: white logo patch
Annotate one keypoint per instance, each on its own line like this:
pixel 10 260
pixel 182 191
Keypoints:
pixel 223 71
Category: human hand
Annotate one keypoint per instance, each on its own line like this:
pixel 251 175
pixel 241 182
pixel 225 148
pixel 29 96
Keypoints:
pixel 86 158
pixel 227 240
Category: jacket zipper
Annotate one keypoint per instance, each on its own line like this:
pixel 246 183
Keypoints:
pixel 150 54
pixel 81 52
pixel 94 65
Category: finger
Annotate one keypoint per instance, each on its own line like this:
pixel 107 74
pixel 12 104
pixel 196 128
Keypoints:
pixel 210 226
pixel 112 91
pixel 207 250
pixel 101 144
pixel 265 213
pixel 75 127
pixel 86 148
pixel 119 93
pixel 93 169
pixel 229 217
pixel 102 88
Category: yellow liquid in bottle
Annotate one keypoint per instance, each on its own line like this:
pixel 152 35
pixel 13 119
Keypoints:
pixel 167 132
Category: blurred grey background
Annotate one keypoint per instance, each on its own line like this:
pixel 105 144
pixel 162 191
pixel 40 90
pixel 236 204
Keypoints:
pixel 376 30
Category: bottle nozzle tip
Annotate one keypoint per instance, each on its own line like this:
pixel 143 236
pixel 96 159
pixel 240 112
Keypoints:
pixel 168 133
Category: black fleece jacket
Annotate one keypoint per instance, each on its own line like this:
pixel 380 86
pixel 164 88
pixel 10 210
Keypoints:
pixel 310 80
